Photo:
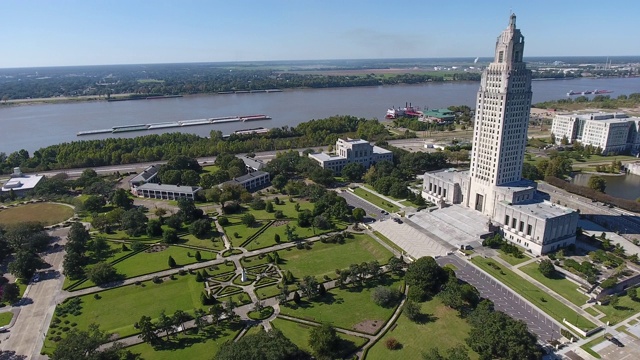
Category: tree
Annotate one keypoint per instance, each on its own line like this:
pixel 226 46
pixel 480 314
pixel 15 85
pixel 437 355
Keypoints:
pixel 188 210
pixel 276 238
pixel 200 228
pixel 324 342
pixel 102 273
pixel 411 310
pixel 171 262
pixel 94 203
pixel 24 264
pixel 174 221
pixel 134 222
pixel 358 214
pixel 269 207
pixel 546 268
pixel 385 297
pixel 87 344
pixel 170 236
pixel 271 345
pixel 166 324
pixel 248 219
pixel 73 265
pixel 425 277
pixel 353 171
pixel 147 330
pixel 154 228
pixel 200 319
pixel 396 265
pixel 597 183
pixel 198 256
pixel 121 199
pixel 10 293
pixel 99 247
pixel 309 287
pixel 279 181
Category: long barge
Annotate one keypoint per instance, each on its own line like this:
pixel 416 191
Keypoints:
pixel 175 124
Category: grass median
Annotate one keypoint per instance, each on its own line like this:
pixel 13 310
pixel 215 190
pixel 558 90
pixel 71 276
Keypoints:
pixel 375 199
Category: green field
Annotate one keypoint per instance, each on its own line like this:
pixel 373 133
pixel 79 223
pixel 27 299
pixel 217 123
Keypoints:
pixel 287 207
pixel 191 240
pixel 587 347
pixel 376 200
pixel 149 262
pixel 117 309
pixel 445 331
pixel 512 260
pixel 266 239
pixel 192 347
pixel 324 259
pixel 625 308
pixel 5 318
pixel 44 213
pixel 541 299
pixel 344 308
pixel 299 335
pixel 565 288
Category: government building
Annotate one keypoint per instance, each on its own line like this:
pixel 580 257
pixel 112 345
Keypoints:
pixel 351 151
pixel 611 132
pixel 493 186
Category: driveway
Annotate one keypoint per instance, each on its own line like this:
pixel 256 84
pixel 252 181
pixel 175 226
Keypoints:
pixel 372 211
pixel 504 299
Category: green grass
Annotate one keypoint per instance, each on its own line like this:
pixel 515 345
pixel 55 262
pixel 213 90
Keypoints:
pixel 299 334
pixel 625 308
pixel 387 241
pixel 563 287
pixel 192 347
pixel 121 235
pixel 118 308
pixel 116 253
pixel 446 331
pixel 5 318
pixel 591 311
pixel 146 263
pixel 191 240
pixel 587 347
pixel 550 305
pixel 344 308
pixel 288 208
pixel 324 259
pixel 210 169
pixel 44 213
pixel 244 231
pixel 376 200
pixel 512 260
pixel 266 239
pixel 269 291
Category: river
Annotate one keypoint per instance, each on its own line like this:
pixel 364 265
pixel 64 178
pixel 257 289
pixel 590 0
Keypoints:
pixel 31 127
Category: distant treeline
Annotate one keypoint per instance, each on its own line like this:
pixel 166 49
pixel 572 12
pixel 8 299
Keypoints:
pixel 114 151
pixel 593 194
pixel 600 101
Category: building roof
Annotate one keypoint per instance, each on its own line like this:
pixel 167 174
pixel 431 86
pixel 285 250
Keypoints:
pixel 172 188
pixel 439 113
pixel 147 174
pixel 326 157
pixel 249 176
pixel 542 209
pixel 22 183
pixel 378 150
pixel 355 141
pixel 252 163
pixel 448 175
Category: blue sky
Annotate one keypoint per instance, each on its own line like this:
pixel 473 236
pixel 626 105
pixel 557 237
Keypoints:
pixel 87 32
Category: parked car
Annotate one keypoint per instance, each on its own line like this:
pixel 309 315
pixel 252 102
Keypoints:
pixel 3 329
pixel 36 277
pixel 615 341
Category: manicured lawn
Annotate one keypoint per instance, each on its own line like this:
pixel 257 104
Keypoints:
pixel 5 318
pixel 376 200
pixel 587 347
pixel 344 308
pixel 288 208
pixel 191 240
pixel 192 347
pixel 116 253
pixel 591 311
pixel 210 169
pixel 512 260
pixel 445 331
pixel 121 235
pixel 299 335
pixel 118 309
pixel 244 231
pixel 550 305
pixel 149 262
pixel 44 213
pixel 565 288
pixel 625 308
pixel 269 291
pixel 266 239
pixel 324 259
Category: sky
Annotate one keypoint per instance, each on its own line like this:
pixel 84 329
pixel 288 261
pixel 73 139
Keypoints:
pixel 92 32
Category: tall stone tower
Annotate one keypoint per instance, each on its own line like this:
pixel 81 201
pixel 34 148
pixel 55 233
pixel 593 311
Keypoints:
pixel 502 118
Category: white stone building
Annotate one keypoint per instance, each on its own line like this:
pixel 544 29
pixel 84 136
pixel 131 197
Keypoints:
pixel 611 132
pixel 166 192
pixel 352 151
pixel 251 181
pixel 494 186
pixel 20 184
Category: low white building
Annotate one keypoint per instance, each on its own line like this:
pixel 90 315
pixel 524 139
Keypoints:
pixel 166 192
pixel 611 132
pixel 20 183
pixel 352 151
pixel 250 181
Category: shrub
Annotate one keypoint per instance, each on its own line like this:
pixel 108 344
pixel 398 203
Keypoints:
pixel 276 238
pixel 609 283
pixel 385 297
pixel 546 268
pixel 137 246
pixel 223 221
pixel 392 344
pixel 278 214
pixel 171 262
pixel 198 256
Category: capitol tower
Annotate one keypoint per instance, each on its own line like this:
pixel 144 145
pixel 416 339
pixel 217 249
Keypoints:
pixel 502 117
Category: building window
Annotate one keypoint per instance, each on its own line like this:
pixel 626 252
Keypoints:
pixel 521 229
pixel 506 220
pixel 513 223
pixel 500 56
pixel 529 227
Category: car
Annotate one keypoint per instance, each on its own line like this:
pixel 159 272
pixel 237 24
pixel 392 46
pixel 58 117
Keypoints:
pixel 3 329
pixel 36 277
pixel 615 341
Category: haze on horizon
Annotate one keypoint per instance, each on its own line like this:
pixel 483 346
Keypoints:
pixel 74 32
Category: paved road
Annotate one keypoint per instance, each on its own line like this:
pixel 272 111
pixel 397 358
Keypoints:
pixel 26 337
pixel 504 299
pixel 372 210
